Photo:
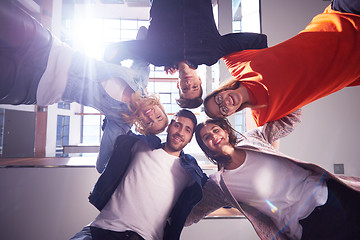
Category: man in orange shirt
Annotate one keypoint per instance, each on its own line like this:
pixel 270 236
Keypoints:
pixel 320 60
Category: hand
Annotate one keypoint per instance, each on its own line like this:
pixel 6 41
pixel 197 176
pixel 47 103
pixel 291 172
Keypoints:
pixel 173 69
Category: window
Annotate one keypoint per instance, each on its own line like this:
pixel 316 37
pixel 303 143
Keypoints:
pixel 100 33
pixel 92 121
pixel 63 105
pixel 246 18
pixel 168 92
pixel 240 122
pixel 62 133
pixel 92 35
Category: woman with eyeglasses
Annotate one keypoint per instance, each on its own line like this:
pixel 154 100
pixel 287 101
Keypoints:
pixel 275 81
pixel 282 197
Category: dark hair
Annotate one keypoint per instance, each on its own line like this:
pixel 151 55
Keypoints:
pixel 186 114
pixel 190 103
pixel 213 156
pixel 231 85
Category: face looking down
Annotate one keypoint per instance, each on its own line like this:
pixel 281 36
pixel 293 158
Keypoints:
pixel 189 83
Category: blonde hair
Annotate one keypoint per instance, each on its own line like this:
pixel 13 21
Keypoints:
pixel 137 105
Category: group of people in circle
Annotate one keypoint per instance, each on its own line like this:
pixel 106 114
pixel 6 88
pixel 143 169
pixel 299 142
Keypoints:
pixel 291 199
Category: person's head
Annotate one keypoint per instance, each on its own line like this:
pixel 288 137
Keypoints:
pixel 180 131
pixel 147 114
pixel 224 101
pixel 189 85
pixel 213 136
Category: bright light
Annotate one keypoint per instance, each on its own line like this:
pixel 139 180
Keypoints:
pixel 250 16
pixel 87 36
pixel 273 208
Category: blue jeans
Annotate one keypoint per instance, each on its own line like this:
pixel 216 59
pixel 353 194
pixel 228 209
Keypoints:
pixel 337 219
pixel 101 234
pixel 346 6
pixel 24 51
pixel 84 234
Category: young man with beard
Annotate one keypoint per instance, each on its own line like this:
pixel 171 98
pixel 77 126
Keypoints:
pixel 148 189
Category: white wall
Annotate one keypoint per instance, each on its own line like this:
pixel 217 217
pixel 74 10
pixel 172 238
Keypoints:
pixel 329 132
pixel 52 204
pixel 74 131
pixel 220 229
pixel 282 19
pixel 45 203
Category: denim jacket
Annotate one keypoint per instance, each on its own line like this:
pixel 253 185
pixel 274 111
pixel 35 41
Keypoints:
pixel 84 87
pixel 117 166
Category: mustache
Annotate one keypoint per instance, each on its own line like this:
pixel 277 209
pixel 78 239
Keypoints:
pixel 178 136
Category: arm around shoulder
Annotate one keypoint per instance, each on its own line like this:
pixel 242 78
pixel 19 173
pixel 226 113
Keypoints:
pixel 213 198
pixel 282 127
pixel 277 129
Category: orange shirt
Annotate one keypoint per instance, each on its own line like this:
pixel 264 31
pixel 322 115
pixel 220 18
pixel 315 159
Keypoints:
pixel 320 60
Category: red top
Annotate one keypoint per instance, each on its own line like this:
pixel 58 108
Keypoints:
pixel 320 60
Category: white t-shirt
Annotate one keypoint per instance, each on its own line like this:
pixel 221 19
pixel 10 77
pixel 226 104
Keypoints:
pixel 53 82
pixel 143 200
pixel 278 188
pixel 115 87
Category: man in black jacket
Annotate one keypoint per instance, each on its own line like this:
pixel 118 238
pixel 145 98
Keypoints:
pixel 147 189
pixel 183 33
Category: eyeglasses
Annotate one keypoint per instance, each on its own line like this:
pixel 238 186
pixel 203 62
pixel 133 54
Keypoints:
pixel 219 100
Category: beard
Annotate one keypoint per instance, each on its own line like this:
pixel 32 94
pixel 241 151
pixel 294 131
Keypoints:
pixel 174 146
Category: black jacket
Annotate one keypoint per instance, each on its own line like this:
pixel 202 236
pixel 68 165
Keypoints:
pixel 120 161
pixel 185 30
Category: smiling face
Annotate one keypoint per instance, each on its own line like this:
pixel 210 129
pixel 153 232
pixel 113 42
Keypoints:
pixel 189 83
pixel 180 132
pixel 214 138
pixel 224 103
pixel 154 119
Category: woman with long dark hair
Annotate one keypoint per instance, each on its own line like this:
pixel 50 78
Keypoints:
pixel 282 197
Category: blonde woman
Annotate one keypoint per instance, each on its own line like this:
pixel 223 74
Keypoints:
pixel 36 68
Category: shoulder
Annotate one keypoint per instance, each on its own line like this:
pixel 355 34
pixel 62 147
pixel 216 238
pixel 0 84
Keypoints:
pixel 187 157
pixel 131 138
pixel 190 163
